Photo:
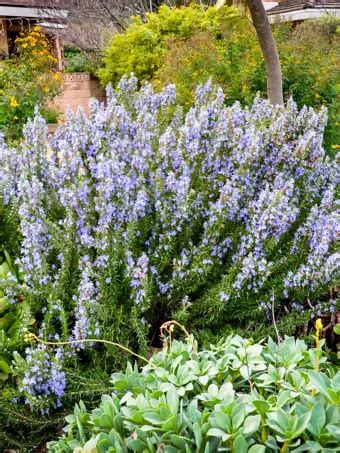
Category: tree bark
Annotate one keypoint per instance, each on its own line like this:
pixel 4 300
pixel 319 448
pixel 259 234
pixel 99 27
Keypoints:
pixel 269 50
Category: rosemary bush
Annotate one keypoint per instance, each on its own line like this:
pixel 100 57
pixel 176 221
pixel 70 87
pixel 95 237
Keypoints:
pixel 138 213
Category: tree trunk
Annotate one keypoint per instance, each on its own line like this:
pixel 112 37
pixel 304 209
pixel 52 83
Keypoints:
pixel 270 54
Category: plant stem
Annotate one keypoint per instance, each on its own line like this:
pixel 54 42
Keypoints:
pixel 284 447
pixel 89 340
pixel 167 326
pixel 263 432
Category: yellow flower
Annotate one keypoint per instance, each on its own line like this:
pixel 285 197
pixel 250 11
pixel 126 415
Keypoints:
pixel 1 91
pixel 333 146
pixel 14 103
pixel 15 117
pixel 25 45
pixel 46 89
pixel 318 324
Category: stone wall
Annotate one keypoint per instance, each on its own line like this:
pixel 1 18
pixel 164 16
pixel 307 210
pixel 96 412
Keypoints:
pixel 78 89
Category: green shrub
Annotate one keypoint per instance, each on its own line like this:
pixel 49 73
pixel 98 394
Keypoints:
pixel 235 396
pixel 229 55
pixel 15 314
pixel 77 61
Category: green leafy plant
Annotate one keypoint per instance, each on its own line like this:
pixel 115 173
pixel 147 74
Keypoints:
pixel 187 400
pixel 77 61
pixel 15 314
pixel 50 114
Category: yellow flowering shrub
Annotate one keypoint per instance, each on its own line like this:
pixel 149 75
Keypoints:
pixel 230 56
pixel 28 79
pixel 143 46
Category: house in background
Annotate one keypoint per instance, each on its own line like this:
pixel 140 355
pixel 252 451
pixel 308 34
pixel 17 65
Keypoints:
pixel 21 15
pixel 298 10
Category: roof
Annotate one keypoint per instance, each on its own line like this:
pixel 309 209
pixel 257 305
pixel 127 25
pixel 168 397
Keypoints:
pixel 30 3
pixel 32 9
pixel 304 9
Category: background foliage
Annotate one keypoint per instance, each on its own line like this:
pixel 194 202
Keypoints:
pixel 27 79
pixel 77 61
pixel 144 44
pixel 189 45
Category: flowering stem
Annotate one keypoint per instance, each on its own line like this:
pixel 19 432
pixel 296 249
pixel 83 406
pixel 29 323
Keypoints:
pixel 168 327
pixel 279 339
pixel 318 329
pixel 89 340
pixel 317 351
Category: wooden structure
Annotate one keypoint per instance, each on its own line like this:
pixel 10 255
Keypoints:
pixel 21 15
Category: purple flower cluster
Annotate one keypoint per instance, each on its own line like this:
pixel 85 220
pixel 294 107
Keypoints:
pixel 85 300
pixel 320 230
pixel 324 308
pixel 24 181
pixel 9 171
pixel 11 288
pixel 137 273
pixel 43 375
